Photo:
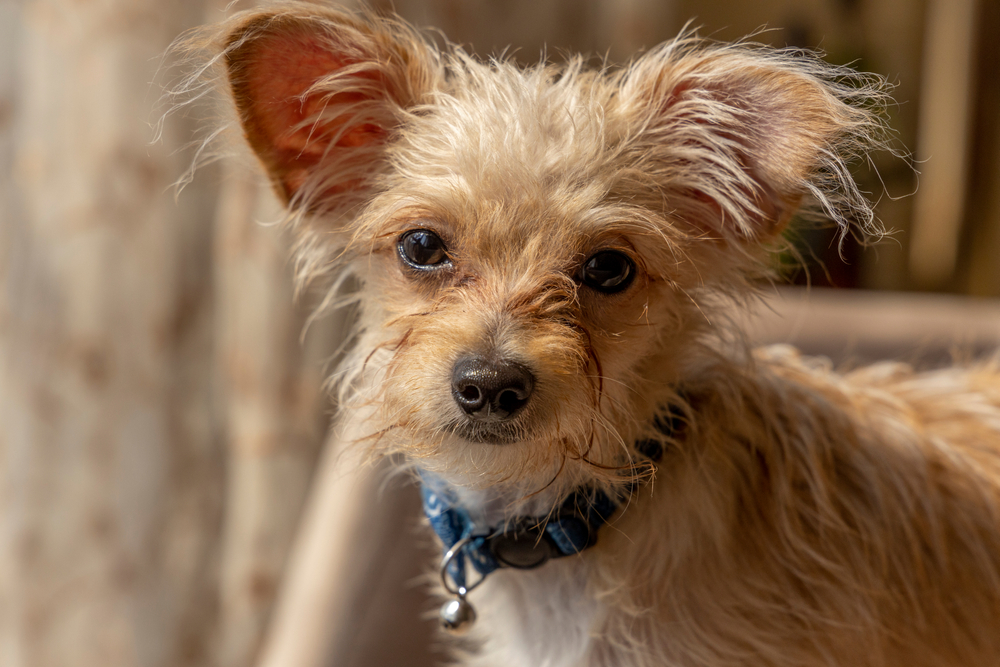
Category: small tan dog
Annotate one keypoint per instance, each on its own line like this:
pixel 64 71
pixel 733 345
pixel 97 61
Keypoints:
pixel 550 259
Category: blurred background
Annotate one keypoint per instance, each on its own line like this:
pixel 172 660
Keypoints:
pixel 161 414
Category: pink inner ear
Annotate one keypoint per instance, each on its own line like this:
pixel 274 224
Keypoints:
pixel 275 71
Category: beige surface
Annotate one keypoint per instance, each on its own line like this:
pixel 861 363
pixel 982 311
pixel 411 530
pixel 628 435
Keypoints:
pixel 860 326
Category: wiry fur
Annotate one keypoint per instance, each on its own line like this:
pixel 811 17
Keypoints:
pixel 803 517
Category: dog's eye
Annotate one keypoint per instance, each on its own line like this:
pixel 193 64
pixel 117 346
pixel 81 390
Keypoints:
pixel 422 249
pixel 607 271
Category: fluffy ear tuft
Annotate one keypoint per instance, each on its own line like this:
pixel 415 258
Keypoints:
pixel 737 136
pixel 319 94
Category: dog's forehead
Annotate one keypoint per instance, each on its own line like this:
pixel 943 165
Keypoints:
pixel 514 160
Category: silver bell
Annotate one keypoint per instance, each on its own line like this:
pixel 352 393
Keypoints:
pixel 457 616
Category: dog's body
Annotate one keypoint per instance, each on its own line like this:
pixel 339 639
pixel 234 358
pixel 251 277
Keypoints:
pixel 548 260
pixel 841 530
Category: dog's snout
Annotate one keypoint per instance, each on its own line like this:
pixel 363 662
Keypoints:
pixel 491 390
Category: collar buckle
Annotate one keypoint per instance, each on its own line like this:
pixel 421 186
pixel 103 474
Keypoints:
pixel 523 546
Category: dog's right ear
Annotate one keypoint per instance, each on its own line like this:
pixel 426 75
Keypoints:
pixel 319 94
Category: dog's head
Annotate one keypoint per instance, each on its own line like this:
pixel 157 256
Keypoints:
pixel 542 250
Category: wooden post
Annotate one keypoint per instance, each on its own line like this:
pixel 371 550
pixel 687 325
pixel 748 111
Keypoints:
pixel 943 141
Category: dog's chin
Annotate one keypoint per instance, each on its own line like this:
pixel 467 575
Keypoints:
pixel 489 433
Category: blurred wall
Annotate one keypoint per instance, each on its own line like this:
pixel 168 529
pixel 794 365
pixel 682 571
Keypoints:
pixel 159 413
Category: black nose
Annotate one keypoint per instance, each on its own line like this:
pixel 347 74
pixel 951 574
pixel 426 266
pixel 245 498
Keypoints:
pixel 491 390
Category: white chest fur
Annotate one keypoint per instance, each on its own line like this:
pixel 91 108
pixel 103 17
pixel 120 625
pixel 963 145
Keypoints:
pixel 535 618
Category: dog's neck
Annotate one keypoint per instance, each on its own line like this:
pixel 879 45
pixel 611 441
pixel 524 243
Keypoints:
pixel 479 537
pixel 478 522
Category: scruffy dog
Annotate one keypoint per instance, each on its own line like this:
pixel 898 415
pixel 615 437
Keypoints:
pixel 549 261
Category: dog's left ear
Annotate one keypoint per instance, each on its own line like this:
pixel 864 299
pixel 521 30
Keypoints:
pixel 319 94
pixel 736 136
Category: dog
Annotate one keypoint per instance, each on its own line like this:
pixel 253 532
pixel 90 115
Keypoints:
pixel 550 261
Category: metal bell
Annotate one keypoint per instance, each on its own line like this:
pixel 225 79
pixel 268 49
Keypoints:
pixel 457 616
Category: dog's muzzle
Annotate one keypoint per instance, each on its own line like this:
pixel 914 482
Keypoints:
pixel 491 391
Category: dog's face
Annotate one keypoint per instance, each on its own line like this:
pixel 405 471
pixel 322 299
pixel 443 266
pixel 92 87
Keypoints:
pixel 522 292
pixel 542 250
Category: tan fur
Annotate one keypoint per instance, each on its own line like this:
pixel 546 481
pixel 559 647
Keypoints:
pixel 803 517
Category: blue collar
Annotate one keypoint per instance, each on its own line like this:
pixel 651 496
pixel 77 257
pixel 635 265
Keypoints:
pixel 526 542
